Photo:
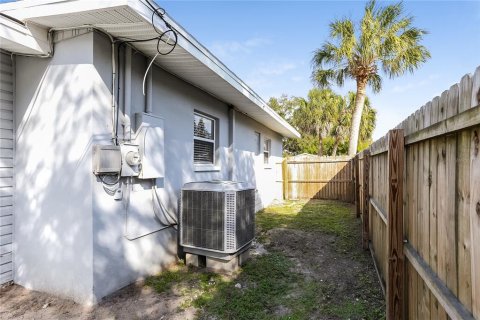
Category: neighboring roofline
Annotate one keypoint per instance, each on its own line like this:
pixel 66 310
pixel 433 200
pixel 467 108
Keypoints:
pixel 185 40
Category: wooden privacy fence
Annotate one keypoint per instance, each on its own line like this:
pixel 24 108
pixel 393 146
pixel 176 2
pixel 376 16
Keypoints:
pixel 419 196
pixel 312 177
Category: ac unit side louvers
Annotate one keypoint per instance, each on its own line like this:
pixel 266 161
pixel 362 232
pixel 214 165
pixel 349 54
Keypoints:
pixel 217 216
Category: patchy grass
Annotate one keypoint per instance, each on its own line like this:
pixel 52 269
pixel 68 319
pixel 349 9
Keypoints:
pixel 264 283
pixel 354 310
pixel 191 283
pixel 269 290
pixel 330 217
pixel 274 286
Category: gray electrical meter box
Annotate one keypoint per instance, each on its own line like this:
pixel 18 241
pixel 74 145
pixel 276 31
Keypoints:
pixel 107 159
pixel 150 138
pixel 130 160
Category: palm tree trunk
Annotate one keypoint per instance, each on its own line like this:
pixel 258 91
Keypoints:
pixel 357 116
pixel 335 147
pixel 320 145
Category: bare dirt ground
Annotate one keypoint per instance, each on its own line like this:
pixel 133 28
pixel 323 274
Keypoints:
pixel 337 279
pixel 347 284
pixel 133 302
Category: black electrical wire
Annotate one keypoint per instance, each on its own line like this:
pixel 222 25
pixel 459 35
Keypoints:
pixel 131 40
pixel 159 12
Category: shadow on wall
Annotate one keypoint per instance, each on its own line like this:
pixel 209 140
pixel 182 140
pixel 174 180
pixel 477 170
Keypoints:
pixel 68 231
pixel 53 195
pixel 246 170
pixel 130 243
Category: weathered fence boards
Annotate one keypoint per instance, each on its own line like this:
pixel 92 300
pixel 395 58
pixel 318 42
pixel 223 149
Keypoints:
pixel 441 207
pixel 313 177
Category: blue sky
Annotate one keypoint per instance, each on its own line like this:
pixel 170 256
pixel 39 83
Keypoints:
pixel 269 45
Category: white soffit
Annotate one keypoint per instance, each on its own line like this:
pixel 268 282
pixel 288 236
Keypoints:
pixel 132 19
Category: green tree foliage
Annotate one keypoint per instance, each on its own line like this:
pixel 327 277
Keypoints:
pixel 315 115
pixel 324 120
pixel 284 106
pixel 384 39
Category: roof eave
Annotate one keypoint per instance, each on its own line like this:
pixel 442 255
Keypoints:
pixel 247 100
pixel 194 47
pixel 18 38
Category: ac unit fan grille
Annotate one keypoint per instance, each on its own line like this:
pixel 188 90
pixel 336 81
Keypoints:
pixel 203 219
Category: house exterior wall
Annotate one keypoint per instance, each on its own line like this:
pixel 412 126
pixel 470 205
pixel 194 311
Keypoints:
pixel 74 239
pixel 249 163
pixel 53 196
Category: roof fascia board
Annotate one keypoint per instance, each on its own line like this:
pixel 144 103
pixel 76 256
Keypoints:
pixel 31 38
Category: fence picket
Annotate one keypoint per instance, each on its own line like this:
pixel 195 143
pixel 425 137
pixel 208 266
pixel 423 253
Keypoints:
pixel 440 203
pixel 475 219
pixel 395 291
pixel 314 177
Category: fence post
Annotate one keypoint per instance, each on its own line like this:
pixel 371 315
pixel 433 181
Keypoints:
pixel 395 273
pixel 285 178
pixel 366 197
pixel 356 164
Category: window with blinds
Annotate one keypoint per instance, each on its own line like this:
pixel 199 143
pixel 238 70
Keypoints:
pixel 203 139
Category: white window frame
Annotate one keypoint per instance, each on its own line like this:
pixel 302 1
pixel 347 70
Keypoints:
pixel 268 143
pixel 258 136
pixel 199 166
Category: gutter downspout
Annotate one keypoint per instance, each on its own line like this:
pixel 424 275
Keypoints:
pixel 114 102
pixel 148 93
pixel 127 92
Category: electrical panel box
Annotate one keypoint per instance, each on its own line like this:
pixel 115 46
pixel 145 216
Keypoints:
pixel 107 159
pixel 150 138
pixel 131 162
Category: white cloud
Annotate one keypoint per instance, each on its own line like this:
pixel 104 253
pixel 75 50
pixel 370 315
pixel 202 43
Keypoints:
pixel 265 73
pixel 412 85
pixel 297 78
pixel 399 88
pixel 276 69
pixel 272 78
pixel 226 49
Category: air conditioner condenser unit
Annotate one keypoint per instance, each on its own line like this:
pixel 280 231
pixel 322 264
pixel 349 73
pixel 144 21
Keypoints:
pixel 217 218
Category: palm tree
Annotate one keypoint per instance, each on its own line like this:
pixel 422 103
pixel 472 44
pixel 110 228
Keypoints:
pixel 384 38
pixel 314 115
pixel 368 122
pixel 343 121
pixel 341 125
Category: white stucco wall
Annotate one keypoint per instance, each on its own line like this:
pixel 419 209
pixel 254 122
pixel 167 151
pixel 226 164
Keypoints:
pixel 53 196
pixel 70 234
pixel 249 163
